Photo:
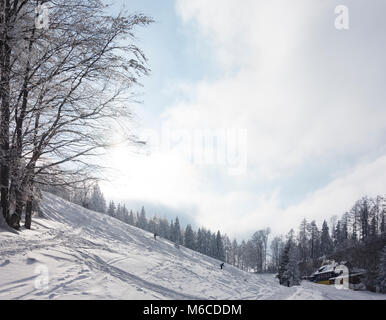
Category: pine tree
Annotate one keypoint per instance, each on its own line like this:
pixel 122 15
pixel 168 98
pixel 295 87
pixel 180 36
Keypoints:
pixel 97 200
pixel 303 239
pixel 200 241
pixel 118 213
pixel 289 274
pixel 338 234
pixel 153 225
pixel 142 221
pixel 125 214
pixel 381 279
pixel 241 255
pixel 164 228
pixel 189 241
pixel 326 245
pixel 111 209
pixel 131 218
pixel 345 228
pixel 354 213
pixel 227 248
pixel 220 247
pixel 292 274
pixel 212 245
pixel 364 217
pixel 284 260
pixel 276 249
pixel 177 232
pixel 373 227
pixel 314 240
pixel 284 257
pixel 172 234
pixel 354 235
pixel 234 252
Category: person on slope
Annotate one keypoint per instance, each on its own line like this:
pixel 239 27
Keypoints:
pixel 222 265
pixel 155 236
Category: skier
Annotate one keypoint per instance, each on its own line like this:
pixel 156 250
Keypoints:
pixel 222 265
pixel 155 236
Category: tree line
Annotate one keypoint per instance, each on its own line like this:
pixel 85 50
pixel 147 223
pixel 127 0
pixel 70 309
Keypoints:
pixel 202 240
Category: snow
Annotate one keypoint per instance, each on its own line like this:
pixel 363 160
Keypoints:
pixel 326 268
pixel 75 253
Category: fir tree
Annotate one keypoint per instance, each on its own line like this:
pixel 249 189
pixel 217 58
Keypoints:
pixel 142 221
pixel 111 209
pixel 220 247
pixel 303 239
pixel 234 252
pixel 118 213
pixel 338 234
pixel 152 225
pixel 373 227
pixel 189 240
pixel 212 245
pixel 177 232
pixel 364 217
pixel 314 240
pixel 291 274
pixel 284 260
pixel 354 235
pixel 125 214
pixel 326 245
pixel 200 241
pixel 171 235
pixel 345 228
pixel 164 228
pixel 381 279
pixel 131 218
pixel 97 200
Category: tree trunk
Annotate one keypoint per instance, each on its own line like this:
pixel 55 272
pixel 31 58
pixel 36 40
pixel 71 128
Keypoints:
pixel 5 56
pixel 28 213
pixel 19 205
pixel 3 223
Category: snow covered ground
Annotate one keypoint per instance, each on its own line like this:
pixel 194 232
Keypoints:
pixel 74 253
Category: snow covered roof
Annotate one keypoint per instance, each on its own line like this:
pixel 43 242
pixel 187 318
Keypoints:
pixel 330 267
pixel 326 268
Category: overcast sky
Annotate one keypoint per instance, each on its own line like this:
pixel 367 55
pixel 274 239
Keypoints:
pixel 297 103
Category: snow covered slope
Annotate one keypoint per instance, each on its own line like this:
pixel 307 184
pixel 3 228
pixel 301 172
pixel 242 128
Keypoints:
pixel 74 253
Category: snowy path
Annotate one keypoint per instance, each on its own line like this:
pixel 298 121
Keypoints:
pixel 88 255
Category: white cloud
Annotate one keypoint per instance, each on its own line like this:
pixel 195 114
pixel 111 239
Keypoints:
pixel 294 110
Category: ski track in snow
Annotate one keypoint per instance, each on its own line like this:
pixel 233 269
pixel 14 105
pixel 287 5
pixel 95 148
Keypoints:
pixel 89 255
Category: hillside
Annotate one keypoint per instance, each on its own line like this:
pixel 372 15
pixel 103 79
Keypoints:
pixel 88 255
